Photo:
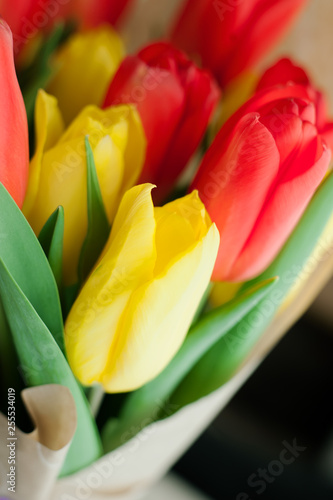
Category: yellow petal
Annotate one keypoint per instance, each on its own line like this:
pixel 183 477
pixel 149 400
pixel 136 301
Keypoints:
pixel 63 182
pixel 85 66
pixel 128 259
pixel 135 309
pixel 58 170
pixel 49 127
pixel 124 126
pixel 158 317
pixel 110 167
pixel 135 152
pixel 119 161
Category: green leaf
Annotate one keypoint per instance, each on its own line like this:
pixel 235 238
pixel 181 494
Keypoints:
pixel 98 224
pixel 38 74
pixel 221 362
pixel 51 238
pixel 43 363
pixel 27 263
pixel 145 403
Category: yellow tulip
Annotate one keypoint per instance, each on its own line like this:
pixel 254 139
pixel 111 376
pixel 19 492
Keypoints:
pixel 58 171
pixel 84 68
pixel 135 309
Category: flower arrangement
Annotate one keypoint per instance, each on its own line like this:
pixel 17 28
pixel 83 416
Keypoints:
pixel 162 222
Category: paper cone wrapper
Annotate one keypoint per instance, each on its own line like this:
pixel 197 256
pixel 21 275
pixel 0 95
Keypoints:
pixel 127 472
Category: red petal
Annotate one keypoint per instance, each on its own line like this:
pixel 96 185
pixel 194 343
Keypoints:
pixel 14 149
pixel 283 208
pixel 160 100
pixel 202 96
pixel 282 73
pixel 268 21
pixel 235 186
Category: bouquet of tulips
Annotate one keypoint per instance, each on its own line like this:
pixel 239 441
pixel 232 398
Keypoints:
pixel 175 204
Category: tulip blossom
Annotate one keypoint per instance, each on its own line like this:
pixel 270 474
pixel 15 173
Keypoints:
pixel 95 12
pixel 175 100
pixel 27 18
pixel 14 148
pixel 135 309
pixel 104 50
pixel 232 36
pixel 258 177
pixel 58 173
pixel 286 72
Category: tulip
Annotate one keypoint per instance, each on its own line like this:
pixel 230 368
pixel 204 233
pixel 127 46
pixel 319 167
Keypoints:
pixel 135 309
pixel 258 177
pixel 29 17
pixel 175 100
pixel 103 49
pixel 14 148
pixel 286 72
pixel 58 169
pixel 233 35
pixel 95 12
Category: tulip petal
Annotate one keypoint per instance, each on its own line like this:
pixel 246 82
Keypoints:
pixel 59 175
pixel 202 95
pixel 282 210
pixel 49 127
pixel 230 37
pixel 287 130
pixel 129 257
pixel 175 100
pixel 119 145
pixel 14 147
pixel 179 225
pixel 238 185
pixel 282 73
pixel 135 151
pixel 150 89
pixel 136 307
pixel 154 329
pixel 103 50
pixel 93 13
pixel 327 134
pixel 267 22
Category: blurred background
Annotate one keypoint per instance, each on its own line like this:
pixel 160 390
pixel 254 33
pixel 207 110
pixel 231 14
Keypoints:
pixel 288 398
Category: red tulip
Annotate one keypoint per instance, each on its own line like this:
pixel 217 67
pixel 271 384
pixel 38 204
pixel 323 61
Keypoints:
pixel 285 72
pixel 29 17
pixel 175 100
pixel 258 177
pixel 14 149
pixel 232 35
pixel 95 12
